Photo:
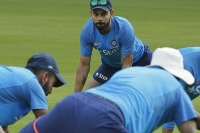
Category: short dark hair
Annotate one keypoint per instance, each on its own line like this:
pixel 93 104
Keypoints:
pixel 36 71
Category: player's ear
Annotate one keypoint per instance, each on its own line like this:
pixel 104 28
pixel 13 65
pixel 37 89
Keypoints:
pixel 91 13
pixel 44 77
pixel 111 12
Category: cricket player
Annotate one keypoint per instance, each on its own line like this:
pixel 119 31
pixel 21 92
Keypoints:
pixel 191 57
pixel 25 89
pixel 114 38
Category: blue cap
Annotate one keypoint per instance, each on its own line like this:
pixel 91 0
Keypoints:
pixel 46 62
pixel 106 7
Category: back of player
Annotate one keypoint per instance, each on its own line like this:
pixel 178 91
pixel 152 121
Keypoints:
pixel 146 99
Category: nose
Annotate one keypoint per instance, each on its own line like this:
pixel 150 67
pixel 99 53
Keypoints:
pixel 100 18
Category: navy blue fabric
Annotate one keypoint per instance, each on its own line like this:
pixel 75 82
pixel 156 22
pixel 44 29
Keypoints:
pixel 44 61
pixel 146 57
pixel 74 115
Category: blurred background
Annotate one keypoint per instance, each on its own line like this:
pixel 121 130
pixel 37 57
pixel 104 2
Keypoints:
pixel 31 26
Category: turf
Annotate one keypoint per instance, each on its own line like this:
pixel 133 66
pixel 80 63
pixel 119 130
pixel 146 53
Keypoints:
pixel 28 27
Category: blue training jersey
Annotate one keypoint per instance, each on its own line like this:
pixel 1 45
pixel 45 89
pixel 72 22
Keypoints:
pixel 20 92
pixel 120 40
pixel 191 56
pixel 146 99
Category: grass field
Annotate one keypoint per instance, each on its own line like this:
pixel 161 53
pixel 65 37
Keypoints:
pixel 31 26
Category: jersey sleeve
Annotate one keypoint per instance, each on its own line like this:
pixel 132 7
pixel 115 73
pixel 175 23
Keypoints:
pixel 127 38
pixel 85 40
pixel 169 125
pixel 184 110
pixel 35 95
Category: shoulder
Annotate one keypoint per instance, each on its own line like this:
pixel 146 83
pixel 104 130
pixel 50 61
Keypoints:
pixel 89 26
pixel 190 50
pixel 19 73
pixel 88 29
pixel 121 21
pixel 121 24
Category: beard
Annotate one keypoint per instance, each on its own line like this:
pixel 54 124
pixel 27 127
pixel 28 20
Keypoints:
pixel 46 88
pixel 101 26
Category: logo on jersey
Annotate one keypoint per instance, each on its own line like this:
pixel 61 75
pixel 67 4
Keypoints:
pixel 194 89
pixel 96 44
pixel 197 82
pixel 114 43
pixel 110 52
pixel 16 118
pixel 101 76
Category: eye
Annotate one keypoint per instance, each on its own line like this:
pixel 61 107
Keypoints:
pixel 95 14
pixel 104 14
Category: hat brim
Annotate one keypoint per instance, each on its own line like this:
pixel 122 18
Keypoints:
pixel 101 7
pixel 183 74
pixel 60 80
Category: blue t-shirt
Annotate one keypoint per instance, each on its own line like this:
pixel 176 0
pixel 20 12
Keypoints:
pixel 20 92
pixel 120 40
pixel 191 57
pixel 148 97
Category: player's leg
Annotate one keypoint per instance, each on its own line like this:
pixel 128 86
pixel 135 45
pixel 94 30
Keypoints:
pixel 102 75
pixel 92 83
pixel 146 57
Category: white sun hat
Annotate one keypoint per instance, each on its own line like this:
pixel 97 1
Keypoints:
pixel 171 60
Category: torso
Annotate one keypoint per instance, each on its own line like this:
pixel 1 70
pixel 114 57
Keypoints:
pixel 120 40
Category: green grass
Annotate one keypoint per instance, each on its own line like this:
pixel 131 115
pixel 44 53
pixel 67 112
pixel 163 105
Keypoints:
pixel 31 26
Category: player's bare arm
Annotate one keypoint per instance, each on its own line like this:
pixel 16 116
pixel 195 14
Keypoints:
pixel 188 127
pixel 39 112
pixel 198 120
pixel 82 73
pixel 84 80
pixel 126 60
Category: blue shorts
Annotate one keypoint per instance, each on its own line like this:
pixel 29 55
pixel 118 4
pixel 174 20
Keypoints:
pixel 80 113
pixel 105 71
